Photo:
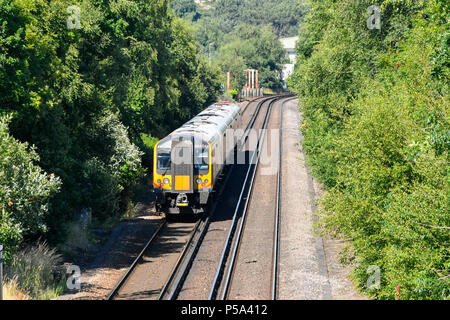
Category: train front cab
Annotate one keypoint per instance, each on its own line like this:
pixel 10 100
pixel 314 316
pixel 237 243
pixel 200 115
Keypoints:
pixel 182 175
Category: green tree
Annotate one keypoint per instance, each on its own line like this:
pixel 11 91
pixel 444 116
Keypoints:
pixel 375 105
pixel 186 9
pixel 283 16
pixel 87 97
pixel 255 48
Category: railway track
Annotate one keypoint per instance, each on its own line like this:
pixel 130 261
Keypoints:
pixel 165 244
pixel 226 269
pixel 175 279
pixel 136 261
pixel 276 241
pixel 178 274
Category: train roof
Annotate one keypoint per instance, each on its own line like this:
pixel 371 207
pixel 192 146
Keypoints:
pixel 209 124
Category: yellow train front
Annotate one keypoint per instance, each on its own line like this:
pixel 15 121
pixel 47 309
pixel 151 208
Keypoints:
pixel 188 161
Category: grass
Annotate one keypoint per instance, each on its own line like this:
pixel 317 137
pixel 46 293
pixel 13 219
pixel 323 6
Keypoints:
pixel 34 273
pixel 11 291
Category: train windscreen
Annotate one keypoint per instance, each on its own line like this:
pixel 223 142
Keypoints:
pixel 201 160
pixel 163 163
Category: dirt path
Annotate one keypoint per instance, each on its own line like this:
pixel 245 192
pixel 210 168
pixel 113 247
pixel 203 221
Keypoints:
pixel 309 265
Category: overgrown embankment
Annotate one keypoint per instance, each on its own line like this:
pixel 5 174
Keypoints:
pixel 376 127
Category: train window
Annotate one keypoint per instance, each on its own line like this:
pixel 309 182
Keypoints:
pixel 163 163
pixel 201 160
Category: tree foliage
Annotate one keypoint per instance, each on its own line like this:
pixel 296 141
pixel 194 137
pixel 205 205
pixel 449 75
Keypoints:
pixel 254 48
pixel 25 191
pixel 283 16
pixel 243 34
pixel 186 9
pixel 375 105
pixel 90 97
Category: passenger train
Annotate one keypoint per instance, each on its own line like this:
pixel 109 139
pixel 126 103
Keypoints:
pixel 187 162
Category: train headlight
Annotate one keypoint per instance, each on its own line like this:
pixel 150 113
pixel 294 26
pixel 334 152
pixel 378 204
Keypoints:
pixel 199 181
pixel 159 181
pixel 206 181
pixel 166 181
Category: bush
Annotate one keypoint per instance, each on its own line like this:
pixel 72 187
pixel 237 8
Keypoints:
pixel 148 145
pixel 233 93
pixel 11 291
pixel 375 105
pixel 110 175
pixel 34 270
pixel 25 191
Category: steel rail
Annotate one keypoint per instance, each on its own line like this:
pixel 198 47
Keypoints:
pixel 130 270
pixel 252 120
pixel 257 100
pixel 237 240
pixel 276 241
pixel 183 266
pixel 174 283
pixel 225 252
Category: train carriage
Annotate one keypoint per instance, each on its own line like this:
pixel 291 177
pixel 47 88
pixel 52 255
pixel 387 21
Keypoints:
pixel 188 161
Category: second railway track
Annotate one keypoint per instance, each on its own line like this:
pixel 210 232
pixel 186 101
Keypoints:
pixel 249 262
pixel 145 277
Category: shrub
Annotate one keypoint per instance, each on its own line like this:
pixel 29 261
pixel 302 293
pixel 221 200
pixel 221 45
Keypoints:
pixel 148 144
pixel 78 240
pixel 233 93
pixel 376 129
pixel 34 270
pixel 109 176
pixel 25 191
pixel 11 291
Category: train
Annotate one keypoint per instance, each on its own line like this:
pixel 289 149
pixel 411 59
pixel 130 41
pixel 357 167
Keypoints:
pixel 188 162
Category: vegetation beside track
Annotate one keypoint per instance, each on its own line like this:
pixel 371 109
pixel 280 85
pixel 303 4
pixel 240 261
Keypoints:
pixel 376 131
pixel 85 87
